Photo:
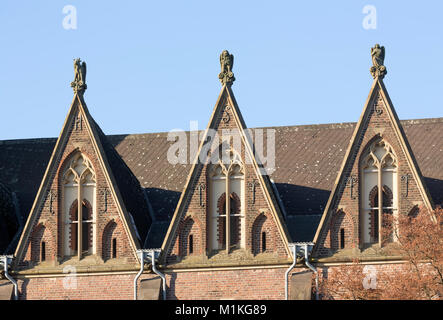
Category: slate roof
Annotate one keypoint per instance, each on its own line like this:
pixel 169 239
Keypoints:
pixel 129 187
pixel 308 159
pixel 7 216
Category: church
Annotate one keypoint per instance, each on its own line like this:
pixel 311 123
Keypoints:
pixel 255 214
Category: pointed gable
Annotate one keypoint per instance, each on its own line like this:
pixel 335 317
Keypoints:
pixel 83 164
pixel 198 233
pixel 379 170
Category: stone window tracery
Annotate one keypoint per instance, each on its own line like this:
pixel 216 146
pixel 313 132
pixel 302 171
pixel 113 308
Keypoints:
pixel 226 216
pixel 379 190
pixel 79 197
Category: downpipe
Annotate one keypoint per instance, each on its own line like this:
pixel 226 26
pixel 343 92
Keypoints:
pixel 143 255
pixel 161 275
pixel 293 248
pixel 294 256
pixel 310 266
pixel 6 260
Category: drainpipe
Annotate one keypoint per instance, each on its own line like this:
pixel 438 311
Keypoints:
pixel 161 275
pixel 143 255
pixel 5 261
pixel 292 247
pixel 306 248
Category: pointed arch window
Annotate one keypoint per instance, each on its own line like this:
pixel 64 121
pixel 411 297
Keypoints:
pixel 79 197
pixel 379 190
pixel 226 213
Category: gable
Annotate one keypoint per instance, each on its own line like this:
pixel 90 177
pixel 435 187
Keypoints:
pixel 78 160
pixel 348 202
pixel 303 186
pixel 201 211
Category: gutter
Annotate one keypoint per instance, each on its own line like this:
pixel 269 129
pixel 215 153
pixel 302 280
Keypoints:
pixel 5 260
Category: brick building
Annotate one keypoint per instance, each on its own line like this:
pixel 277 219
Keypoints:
pixel 79 214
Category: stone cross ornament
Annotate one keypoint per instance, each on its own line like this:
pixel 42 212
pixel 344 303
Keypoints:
pixel 378 70
pixel 226 75
pixel 79 83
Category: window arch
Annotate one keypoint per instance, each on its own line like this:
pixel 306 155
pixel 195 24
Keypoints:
pixel 109 241
pixel 79 198
pixel 262 234
pixel 42 244
pixel 342 230
pixel 190 237
pixel 226 214
pixel 379 172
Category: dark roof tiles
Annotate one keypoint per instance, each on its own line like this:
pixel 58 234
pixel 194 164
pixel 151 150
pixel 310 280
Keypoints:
pixel 308 158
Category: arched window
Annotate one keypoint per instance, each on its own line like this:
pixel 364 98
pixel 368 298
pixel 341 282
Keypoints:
pixel 379 190
pixel 79 197
pixel 226 216
pixel 86 230
pixel 109 241
pixel 262 235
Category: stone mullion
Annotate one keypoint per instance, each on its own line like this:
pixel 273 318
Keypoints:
pixel 227 214
pixel 380 204
pixel 80 220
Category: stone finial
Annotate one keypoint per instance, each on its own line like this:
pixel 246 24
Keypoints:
pixel 378 70
pixel 79 83
pixel 226 75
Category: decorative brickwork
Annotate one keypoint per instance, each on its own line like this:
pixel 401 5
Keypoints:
pixel 190 228
pixel 342 224
pixel 373 126
pixel 41 234
pixel 109 233
pixel 262 226
pixel 202 174
pixel 72 142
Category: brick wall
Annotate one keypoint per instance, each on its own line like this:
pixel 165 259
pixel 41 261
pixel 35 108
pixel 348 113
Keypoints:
pixel 204 285
pixel 253 209
pixel 375 124
pixel 260 284
pixel 92 287
pixel 50 214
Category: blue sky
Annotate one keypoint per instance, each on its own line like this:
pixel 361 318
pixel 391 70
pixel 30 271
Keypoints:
pixel 153 65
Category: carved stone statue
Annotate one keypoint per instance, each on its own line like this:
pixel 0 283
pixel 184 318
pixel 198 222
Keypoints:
pixel 226 75
pixel 79 83
pixel 378 58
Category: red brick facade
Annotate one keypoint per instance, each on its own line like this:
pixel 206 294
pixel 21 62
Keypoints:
pixel 78 139
pixel 224 119
pixel 376 124
pixel 193 270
